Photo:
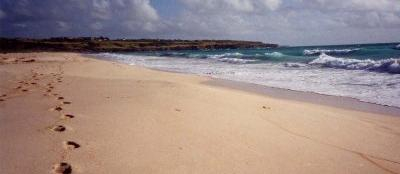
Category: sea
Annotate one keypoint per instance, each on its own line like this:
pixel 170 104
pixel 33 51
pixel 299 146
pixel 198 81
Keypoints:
pixel 367 72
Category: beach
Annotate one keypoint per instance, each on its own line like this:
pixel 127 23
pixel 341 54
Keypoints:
pixel 64 112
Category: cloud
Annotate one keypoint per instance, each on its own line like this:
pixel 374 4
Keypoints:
pixel 291 21
pixel 357 5
pixel 301 22
pixel 241 6
pixel 271 4
pixel 101 9
pixel 79 17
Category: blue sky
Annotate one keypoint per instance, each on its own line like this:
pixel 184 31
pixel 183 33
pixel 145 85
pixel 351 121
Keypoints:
pixel 167 8
pixel 286 22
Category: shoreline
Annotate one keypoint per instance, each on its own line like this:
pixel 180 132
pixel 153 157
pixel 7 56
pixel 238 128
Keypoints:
pixel 343 102
pixel 67 113
pixel 309 97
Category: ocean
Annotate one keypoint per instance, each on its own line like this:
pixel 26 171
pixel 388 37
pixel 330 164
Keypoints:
pixel 367 72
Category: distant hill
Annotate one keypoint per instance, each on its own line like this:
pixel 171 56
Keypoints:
pixel 103 44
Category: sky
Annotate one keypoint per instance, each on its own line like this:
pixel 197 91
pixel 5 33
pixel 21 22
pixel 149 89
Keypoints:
pixel 285 22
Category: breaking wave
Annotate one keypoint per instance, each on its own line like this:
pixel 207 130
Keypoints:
pixel 314 52
pixel 385 65
pixel 236 60
pixel 274 54
pixel 225 55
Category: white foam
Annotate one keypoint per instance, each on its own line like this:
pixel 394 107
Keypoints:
pixel 321 51
pixel 386 65
pixel 370 86
pixel 274 54
pixel 236 60
pixel 225 55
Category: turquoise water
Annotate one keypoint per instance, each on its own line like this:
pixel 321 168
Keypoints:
pixel 369 72
pixel 354 56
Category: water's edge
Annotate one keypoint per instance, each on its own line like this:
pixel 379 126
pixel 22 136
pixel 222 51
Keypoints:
pixel 309 97
pixel 282 93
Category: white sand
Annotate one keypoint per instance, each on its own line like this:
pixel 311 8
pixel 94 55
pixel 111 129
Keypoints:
pixel 134 120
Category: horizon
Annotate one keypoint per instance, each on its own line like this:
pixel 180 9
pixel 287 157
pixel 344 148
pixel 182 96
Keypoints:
pixel 283 22
pixel 76 37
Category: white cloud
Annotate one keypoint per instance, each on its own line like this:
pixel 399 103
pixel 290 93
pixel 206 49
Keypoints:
pixel 101 9
pixel 241 6
pixel 287 20
pixel 355 5
pixel 143 9
pixel 140 15
pixel 279 21
pixel 272 4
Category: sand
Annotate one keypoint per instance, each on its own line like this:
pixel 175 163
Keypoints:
pixel 62 112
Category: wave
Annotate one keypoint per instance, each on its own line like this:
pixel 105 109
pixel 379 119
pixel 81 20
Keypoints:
pixel 397 47
pixel 236 60
pixel 314 52
pixel 274 54
pixel 386 65
pixel 225 55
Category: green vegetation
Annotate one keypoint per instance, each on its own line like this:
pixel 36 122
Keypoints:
pixel 102 44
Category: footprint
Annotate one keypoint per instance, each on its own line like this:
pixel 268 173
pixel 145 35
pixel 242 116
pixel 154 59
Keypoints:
pixel 59 128
pixel 68 116
pixel 264 107
pixel 24 90
pixel 28 61
pixel 62 168
pixel 58 108
pixel 18 87
pixel 1 99
pixel 71 145
pixel 60 98
pixel 4 95
pixel 66 102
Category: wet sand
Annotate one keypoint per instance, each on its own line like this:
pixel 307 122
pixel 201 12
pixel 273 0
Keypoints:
pixel 65 113
pixel 309 97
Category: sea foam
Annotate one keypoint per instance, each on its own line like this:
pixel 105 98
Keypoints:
pixel 385 65
pixel 236 60
pixel 274 54
pixel 325 75
pixel 312 52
